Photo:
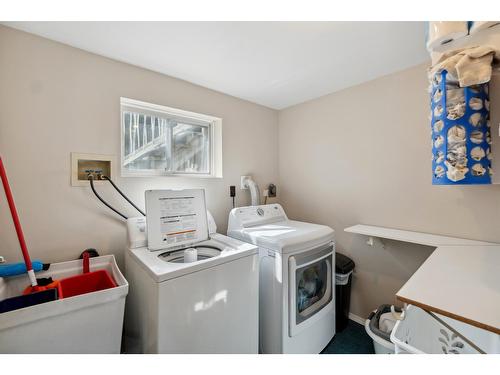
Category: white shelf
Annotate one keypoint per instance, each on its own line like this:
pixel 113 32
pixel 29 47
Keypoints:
pixel 461 282
pixel 426 239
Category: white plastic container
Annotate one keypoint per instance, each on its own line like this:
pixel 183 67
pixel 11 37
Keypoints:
pixel 380 345
pixel 420 333
pixel 88 323
pixel 379 326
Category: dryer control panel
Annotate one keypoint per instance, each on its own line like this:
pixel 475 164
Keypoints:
pixel 243 217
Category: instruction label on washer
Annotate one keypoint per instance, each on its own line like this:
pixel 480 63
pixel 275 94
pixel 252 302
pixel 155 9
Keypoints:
pixel 175 218
pixel 178 219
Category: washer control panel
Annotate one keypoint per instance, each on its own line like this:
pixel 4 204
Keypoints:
pixel 258 215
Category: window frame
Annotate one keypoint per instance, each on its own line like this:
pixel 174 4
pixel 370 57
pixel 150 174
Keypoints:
pixel 214 125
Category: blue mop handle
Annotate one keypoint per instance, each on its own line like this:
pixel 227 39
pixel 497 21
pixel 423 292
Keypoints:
pixel 14 269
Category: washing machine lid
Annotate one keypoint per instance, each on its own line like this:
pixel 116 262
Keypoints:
pixel 160 270
pixel 285 236
pixel 176 218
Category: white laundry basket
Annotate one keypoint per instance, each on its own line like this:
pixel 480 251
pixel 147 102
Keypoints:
pixel 88 323
pixel 379 334
pixel 421 333
pixel 380 346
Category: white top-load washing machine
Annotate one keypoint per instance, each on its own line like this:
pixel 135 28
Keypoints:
pixel 297 273
pixel 191 291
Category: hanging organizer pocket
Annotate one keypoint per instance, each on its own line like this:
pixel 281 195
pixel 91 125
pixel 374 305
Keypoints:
pixel 460 129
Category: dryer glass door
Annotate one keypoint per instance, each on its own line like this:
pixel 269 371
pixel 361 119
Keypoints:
pixel 311 279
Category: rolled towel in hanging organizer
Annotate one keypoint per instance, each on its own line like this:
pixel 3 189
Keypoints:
pixel 478 170
pixel 442 32
pixel 477 153
pixel 476 118
pixel 438 126
pixel 455 103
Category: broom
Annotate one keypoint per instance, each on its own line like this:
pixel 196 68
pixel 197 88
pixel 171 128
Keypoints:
pixel 27 260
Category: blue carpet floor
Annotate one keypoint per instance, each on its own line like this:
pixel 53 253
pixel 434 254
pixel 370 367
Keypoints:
pixel 352 340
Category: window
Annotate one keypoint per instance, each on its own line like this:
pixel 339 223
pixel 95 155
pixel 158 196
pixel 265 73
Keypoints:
pixel 158 140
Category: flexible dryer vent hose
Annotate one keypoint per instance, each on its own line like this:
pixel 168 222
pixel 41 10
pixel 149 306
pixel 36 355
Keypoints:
pixel 254 191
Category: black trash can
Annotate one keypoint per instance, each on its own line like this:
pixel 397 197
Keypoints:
pixel 343 279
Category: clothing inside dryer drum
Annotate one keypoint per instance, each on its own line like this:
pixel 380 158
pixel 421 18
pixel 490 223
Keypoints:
pixel 311 284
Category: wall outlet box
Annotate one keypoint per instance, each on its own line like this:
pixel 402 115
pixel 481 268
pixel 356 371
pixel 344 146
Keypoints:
pixel 80 163
pixel 271 191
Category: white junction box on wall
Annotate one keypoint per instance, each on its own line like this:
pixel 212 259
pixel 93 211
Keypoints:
pixel 80 163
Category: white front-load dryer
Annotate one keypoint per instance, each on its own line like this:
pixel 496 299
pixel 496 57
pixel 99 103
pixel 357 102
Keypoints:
pixel 296 284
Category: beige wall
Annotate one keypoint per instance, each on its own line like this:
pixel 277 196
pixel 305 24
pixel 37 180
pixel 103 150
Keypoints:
pixel 56 99
pixel 363 155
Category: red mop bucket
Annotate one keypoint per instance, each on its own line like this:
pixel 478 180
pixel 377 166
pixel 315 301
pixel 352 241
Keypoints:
pixel 87 282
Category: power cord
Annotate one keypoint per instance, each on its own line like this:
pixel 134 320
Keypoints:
pixel 232 193
pixel 90 177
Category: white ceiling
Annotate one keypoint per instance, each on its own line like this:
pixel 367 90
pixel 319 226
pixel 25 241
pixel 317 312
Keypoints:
pixel 276 64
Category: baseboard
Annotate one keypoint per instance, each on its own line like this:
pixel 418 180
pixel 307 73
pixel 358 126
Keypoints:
pixel 357 319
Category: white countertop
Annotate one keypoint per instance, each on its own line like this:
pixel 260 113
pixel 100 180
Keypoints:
pixel 461 282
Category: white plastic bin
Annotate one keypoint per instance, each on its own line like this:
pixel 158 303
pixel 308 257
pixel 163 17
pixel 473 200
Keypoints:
pixel 88 323
pixel 379 326
pixel 420 333
pixel 380 346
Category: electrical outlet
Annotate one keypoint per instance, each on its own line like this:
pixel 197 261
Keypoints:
pixel 82 163
pixel 271 190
